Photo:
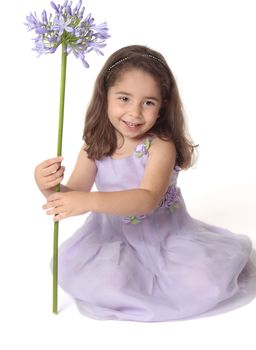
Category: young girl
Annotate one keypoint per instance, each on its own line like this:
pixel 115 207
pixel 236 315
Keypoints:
pixel 139 255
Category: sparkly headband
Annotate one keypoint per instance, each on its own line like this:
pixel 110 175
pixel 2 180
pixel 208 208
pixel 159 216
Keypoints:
pixel 126 58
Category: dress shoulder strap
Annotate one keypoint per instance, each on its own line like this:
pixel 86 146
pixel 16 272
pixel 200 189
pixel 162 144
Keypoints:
pixel 143 147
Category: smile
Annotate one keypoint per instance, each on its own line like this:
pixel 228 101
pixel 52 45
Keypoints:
pixel 131 125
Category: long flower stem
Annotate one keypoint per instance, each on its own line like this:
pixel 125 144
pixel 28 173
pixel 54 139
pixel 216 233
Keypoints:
pixel 59 151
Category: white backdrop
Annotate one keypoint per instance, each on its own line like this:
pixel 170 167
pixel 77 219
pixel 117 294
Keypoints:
pixel 210 46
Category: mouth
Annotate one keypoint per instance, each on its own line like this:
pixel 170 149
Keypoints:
pixel 131 125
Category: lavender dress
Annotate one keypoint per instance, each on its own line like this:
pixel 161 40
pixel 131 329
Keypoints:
pixel 162 266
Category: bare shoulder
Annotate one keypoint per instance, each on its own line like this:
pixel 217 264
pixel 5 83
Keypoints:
pixel 163 148
pixel 83 156
pixel 162 157
pixel 84 164
pixel 84 172
pixel 159 166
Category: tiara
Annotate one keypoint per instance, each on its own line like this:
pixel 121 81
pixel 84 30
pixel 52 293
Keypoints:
pixel 126 58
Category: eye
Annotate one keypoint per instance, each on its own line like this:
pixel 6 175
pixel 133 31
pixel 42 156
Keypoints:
pixel 123 98
pixel 149 103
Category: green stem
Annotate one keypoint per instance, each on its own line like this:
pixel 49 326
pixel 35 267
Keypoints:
pixel 59 150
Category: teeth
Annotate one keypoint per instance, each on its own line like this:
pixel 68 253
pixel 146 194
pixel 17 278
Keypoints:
pixel 131 124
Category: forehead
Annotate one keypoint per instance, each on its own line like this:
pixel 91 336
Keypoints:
pixel 137 79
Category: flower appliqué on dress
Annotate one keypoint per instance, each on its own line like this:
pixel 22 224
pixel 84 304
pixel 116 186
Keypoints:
pixel 134 219
pixel 171 199
pixel 142 148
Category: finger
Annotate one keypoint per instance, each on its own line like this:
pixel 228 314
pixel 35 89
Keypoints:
pixel 51 161
pixel 54 183
pixel 55 196
pixel 59 217
pixel 55 210
pixel 58 173
pixel 51 169
pixel 47 163
pixel 55 175
pixel 52 204
pixel 51 212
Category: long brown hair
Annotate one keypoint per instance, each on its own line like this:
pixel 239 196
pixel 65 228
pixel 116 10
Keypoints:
pixel 99 134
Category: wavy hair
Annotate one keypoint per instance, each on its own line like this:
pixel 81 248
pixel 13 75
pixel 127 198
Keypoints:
pixel 99 134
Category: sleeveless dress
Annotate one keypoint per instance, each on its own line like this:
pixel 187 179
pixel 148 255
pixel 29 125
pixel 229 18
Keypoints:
pixel 161 266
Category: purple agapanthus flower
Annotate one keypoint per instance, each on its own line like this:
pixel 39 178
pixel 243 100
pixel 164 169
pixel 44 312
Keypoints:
pixel 67 26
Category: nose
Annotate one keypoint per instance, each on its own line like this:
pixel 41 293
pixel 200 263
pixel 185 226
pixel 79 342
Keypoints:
pixel 135 110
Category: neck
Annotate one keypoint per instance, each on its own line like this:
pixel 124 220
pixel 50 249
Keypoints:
pixel 126 146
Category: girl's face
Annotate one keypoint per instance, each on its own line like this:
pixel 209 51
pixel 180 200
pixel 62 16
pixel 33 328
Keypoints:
pixel 134 102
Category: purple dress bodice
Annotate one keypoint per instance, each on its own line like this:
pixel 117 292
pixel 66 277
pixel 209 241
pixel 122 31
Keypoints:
pixel 123 174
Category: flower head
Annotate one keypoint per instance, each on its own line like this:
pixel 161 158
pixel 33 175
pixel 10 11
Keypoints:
pixel 69 27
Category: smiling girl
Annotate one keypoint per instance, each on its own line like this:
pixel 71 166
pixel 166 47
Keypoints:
pixel 139 255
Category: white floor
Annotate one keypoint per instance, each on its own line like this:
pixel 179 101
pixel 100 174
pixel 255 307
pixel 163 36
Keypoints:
pixel 29 324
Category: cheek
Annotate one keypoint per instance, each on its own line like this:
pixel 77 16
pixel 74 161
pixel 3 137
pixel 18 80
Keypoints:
pixel 155 115
pixel 115 110
pixel 158 113
pixel 155 119
pixel 110 109
pixel 151 121
pixel 109 105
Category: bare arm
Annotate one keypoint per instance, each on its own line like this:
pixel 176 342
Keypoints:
pixel 50 173
pixel 83 175
pixel 144 199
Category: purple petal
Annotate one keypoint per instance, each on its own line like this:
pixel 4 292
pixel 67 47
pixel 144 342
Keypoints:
pixel 44 16
pixel 41 30
pixel 127 219
pixel 77 8
pixel 69 11
pixel 54 6
pixel 81 14
pixel 69 29
pixel 86 64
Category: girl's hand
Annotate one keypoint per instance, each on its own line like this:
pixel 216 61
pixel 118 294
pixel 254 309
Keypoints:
pixel 49 173
pixel 63 205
